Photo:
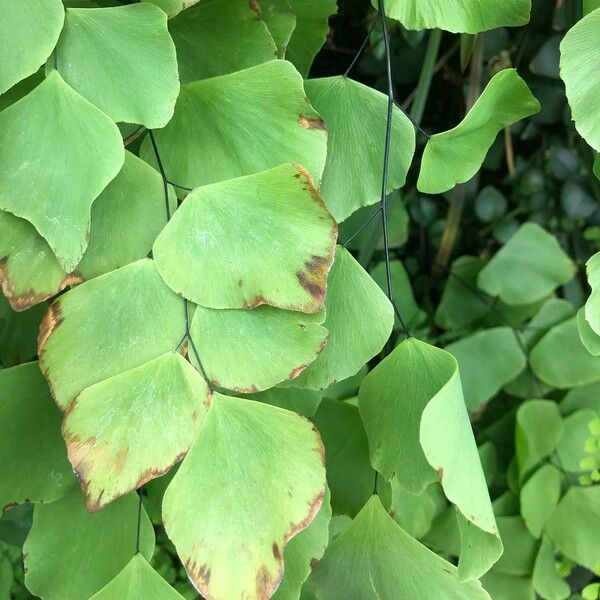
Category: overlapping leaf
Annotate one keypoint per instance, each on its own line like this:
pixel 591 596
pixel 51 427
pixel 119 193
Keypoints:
pixel 223 503
pixel 456 155
pixel 232 24
pixel 356 117
pixel 359 318
pixel 419 431
pixel 458 16
pixel 71 554
pixel 260 239
pixel 28 33
pixel 52 179
pixel 238 124
pixel 126 218
pixel 108 349
pixel 121 59
pixel 376 558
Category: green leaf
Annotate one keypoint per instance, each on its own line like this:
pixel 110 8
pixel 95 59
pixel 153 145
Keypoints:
pixel 223 503
pixel 238 124
pixel 70 554
pixel 508 587
pixel 589 338
pixel 415 513
pixel 458 16
pixel 419 430
pixel 312 27
pixel 246 242
pixel 301 401
pixel 592 306
pixel 32 451
pixel 28 34
pixel 302 552
pixel 356 116
pixel 538 429
pixel 481 373
pixel 220 24
pixel 144 87
pixel 281 21
pixel 349 473
pixel 376 558
pixel 546 581
pixel 126 218
pixel 456 155
pixel 36 184
pixel 359 324
pixel 539 497
pixel 18 333
pixel 570 450
pixel 590 5
pixel 561 360
pixel 586 396
pixel 577 54
pixel 461 304
pixel 88 361
pixel 529 267
pixel 574 526
pixel 520 547
pixel 137 580
pixel 173 7
pixel 404 298
pixel 277 345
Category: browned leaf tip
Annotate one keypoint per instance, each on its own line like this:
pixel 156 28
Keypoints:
pixel 52 319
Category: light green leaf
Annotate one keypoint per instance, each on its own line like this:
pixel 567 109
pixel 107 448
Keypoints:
pixel 539 497
pixel 94 332
pixel 281 21
pixel 456 155
pixel 356 117
pixel 376 558
pixel 589 338
pixel 126 218
pixel 102 377
pixel 137 580
pixel 32 451
pixel 592 306
pixel 586 396
pixel 529 267
pixel 459 16
pixel 144 87
pixel 481 373
pixel 538 429
pixel 223 503
pixel 238 124
pixel 414 513
pixel 405 301
pixel 302 552
pixel 570 450
pixel 520 547
pixel 312 27
pixel 575 524
pixel 561 360
pixel 52 180
pixel 260 239
pixel 232 24
pixel 71 554
pixel 578 52
pixel 359 318
pixel 349 473
pixel 304 402
pixel 546 581
pixel 508 587
pixel 28 33
pixel 419 430
pixel 252 350
pixel 165 397
pixel 173 7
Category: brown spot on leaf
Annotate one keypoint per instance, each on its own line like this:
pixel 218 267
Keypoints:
pixel 297 371
pixel 314 277
pixel 183 349
pixel 254 7
pixel 313 563
pixel 24 300
pixel 52 319
pixel 255 301
pixel 276 551
pixel 240 282
pixel 440 473
pixel 312 123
